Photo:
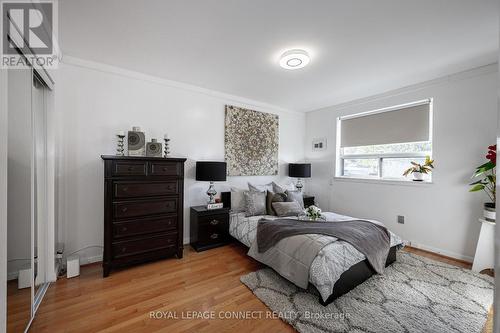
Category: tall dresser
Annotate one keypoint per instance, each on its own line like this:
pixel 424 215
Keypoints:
pixel 143 209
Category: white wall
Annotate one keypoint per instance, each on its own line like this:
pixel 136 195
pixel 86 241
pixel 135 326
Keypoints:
pixel 442 216
pixel 94 101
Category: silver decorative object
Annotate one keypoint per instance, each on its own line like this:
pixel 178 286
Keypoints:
pixel 119 144
pixel 136 142
pixel 153 148
pixel 167 148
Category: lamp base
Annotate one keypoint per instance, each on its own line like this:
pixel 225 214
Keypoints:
pixel 299 185
pixel 211 192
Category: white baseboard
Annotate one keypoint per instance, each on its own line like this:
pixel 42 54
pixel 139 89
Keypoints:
pixel 90 260
pixel 440 251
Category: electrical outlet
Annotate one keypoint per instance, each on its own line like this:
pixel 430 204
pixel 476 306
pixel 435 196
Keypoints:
pixel 401 219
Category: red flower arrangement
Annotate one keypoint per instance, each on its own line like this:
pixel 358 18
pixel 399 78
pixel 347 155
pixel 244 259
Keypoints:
pixel 492 154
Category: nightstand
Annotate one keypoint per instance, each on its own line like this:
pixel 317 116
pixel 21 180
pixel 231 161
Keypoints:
pixel 209 228
pixel 308 200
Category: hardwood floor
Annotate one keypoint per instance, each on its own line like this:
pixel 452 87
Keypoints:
pixel 18 307
pixel 205 281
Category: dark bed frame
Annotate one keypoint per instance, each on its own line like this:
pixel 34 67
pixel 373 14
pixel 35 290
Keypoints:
pixel 354 276
pixel 350 279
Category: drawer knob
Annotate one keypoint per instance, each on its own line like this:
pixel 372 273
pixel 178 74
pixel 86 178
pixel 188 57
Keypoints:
pixel 214 236
pixel 124 209
pixel 214 222
pixel 125 189
pixel 124 229
pixel 165 168
pixel 124 249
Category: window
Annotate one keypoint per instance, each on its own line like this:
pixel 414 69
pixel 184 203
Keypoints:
pixel 381 144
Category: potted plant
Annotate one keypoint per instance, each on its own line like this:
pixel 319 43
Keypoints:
pixel 418 170
pixel 486 181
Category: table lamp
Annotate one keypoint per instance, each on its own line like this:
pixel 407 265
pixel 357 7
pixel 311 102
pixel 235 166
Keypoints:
pixel 211 172
pixel 299 170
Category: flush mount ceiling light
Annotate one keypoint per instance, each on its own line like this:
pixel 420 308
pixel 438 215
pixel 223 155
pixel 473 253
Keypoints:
pixel 294 59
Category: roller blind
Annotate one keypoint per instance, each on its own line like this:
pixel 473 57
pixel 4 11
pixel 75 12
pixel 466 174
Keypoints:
pixel 406 124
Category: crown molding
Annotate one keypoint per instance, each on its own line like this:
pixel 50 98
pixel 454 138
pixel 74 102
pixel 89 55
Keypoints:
pixel 227 98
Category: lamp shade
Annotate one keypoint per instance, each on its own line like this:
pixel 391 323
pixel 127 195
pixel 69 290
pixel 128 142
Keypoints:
pixel 299 170
pixel 211 171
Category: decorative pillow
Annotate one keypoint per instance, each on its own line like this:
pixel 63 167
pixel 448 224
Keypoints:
pixel 273 197
pixel 295 196
pixel 260 188
pixel 238 200
pixel 278 188
pixel 255 203
pixel 287 208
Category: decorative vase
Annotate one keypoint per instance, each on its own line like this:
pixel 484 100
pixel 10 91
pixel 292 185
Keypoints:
pixel 153 148
pixel 489 211
pixel 418 176
pixel 136 142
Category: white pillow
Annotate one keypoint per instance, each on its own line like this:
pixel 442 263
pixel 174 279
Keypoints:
pixel 282 188
pixel 238 203
pixel 260 188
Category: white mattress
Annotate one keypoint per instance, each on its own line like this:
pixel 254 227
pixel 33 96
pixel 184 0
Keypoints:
pixel 333 260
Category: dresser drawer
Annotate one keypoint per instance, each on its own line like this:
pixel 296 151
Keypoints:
pixel 129 168
pixel 144 226
pixel 145 244
pixel 165 169
pixel 142 208
pixel 129 190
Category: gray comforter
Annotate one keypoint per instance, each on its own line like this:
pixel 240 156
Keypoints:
pixel 371 239
pixel 290 246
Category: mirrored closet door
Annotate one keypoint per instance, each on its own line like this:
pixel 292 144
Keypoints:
pixel 30 259
pixel 19 201
pixel 39 118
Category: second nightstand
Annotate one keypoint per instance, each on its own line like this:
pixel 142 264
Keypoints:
pixel 308 200
pixel 209 228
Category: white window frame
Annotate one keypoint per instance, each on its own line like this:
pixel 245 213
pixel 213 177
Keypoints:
pixel 339 163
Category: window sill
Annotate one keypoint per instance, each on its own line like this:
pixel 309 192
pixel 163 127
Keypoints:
pixel 383 181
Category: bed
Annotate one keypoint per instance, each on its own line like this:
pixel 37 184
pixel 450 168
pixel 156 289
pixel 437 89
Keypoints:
pixel 338 267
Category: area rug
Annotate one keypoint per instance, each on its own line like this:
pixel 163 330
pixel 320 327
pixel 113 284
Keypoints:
pixel 415 294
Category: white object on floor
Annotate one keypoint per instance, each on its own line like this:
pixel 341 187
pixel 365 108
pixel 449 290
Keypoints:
pixel 73 266
pixel 485 250
pixel 24 278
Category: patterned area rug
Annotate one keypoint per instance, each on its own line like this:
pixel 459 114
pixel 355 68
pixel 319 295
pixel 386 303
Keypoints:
pixel 415 294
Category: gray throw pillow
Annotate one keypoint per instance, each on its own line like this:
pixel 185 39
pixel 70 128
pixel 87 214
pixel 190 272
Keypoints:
pixel 259 188
pixel 238 200
pixel 295 196
pixel 287 208
pixel 255 203
pixel 277 188
pixel 273 197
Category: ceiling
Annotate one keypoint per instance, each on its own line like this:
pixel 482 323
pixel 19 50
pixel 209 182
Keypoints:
pixel 358 48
